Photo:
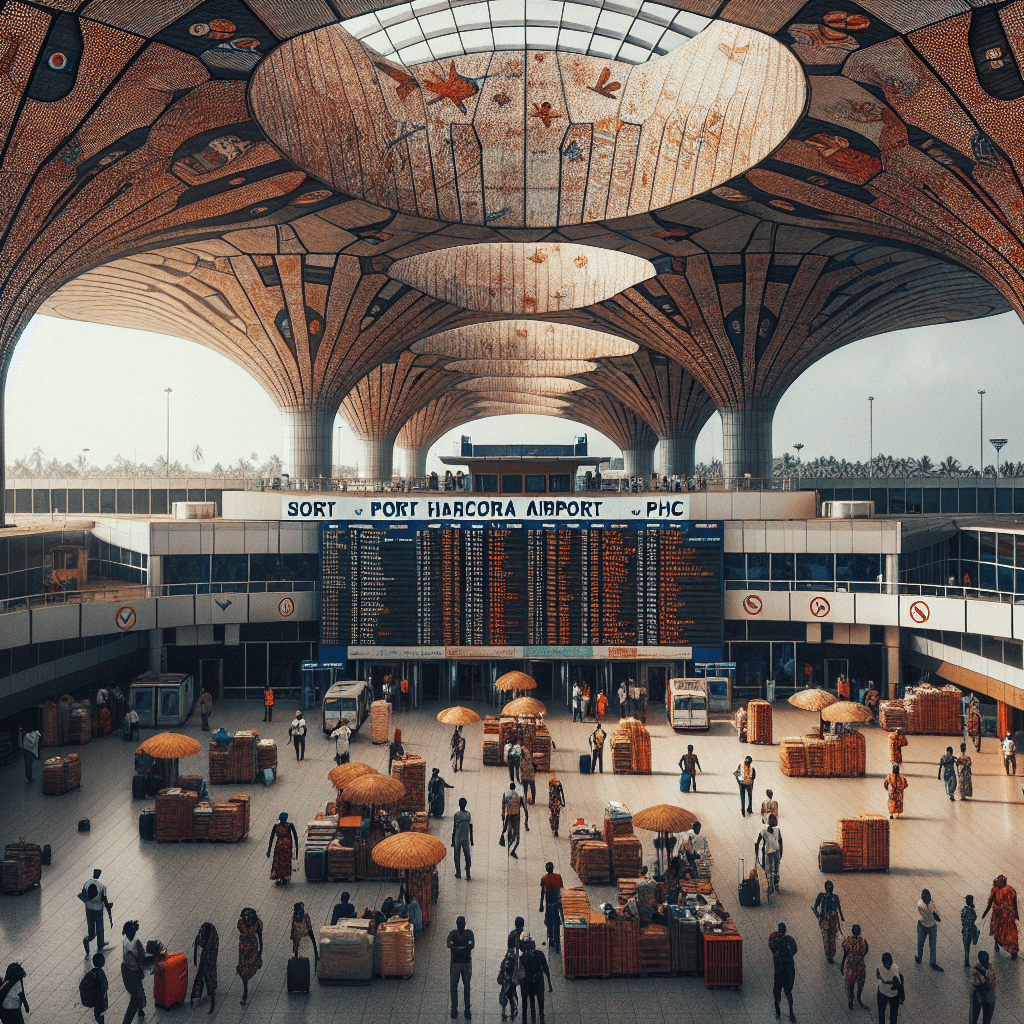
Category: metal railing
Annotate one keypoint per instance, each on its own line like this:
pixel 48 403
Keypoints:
pixel 959 593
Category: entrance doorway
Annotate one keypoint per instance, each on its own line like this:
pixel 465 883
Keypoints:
pixel 211 677
pixel 834 668
pixel 543 674
pixel 471 682
pixel 657 684
pixel 430 680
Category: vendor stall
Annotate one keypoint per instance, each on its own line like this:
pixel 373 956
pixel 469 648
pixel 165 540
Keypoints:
pixel 163 699
pixel 925 710
pixel 418 855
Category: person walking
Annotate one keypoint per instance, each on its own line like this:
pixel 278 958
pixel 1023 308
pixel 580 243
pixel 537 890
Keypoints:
pixel 897 741
pixel 205 948
pixel 551 886
pixel 462 838
pixel 268 705
pixel 969 928
pixel 285 841
pixel 458 754
pixel 342 737
pixel 829 912
pixel 94 896
pixel 95 982
pixel 551 904
pixel 983 989
pixel 133 957
pixel 12 995
pixel 515 755
pixel 302 928
pixel 966 778
pixel 974 723
pixel 395 749
pixel 461 943
pixel 133 724
pixel 927 925
pixel 783 949
pixel 596 741
pixel 1009 755
pixel 205 709
pixel 602 710
pixel 556 801
pixel 510 804
pixel 577 703
pixel 745 774
pixel 890 989
pixel 535 970
pixel 528 777
pixel 855 948
pixel 622 694
pixel 250 948
pixel 895 784
pixel 1002 901
pixel 404 700
pixel 947 772
pixel 769 806
pixel 690 764
pixel 507 992
pixel 435 793
pixel 297 732
pixel 30 751
pixel 769 839
pixel 585 702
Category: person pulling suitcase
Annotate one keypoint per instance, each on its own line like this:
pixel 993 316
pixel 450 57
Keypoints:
pixel 297 732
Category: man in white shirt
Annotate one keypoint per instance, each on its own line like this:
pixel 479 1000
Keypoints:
pixel 1009 755
pixel 770 839
pixel 622 695
pixel 341 736
pixel 30 750
pixel 577 707
pixel 927 924
pixel 297 731
pixel 94 895
pixel 698 843
pixel 133 724
pixel 515 756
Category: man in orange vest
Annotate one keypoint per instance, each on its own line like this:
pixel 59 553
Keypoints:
pixel 268 705
pixel 403 689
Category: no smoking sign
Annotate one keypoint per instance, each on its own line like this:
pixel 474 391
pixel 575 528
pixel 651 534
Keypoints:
pixel 752 604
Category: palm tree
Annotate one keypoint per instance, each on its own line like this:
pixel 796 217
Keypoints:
pixel 35 460
pixel 924 466
pixel 949 466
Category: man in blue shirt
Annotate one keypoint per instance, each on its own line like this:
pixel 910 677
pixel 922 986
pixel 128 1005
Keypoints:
pixel 461 943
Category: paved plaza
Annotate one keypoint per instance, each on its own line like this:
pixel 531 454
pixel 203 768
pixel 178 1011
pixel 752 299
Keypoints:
pixel 953 849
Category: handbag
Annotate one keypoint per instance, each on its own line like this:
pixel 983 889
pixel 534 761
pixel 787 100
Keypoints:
pixel 501 841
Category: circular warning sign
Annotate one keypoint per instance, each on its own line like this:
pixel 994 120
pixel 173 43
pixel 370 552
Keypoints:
pixel 125 617
pixel 820 607
pixel 752 604
pixel 919 611
pixel 286 607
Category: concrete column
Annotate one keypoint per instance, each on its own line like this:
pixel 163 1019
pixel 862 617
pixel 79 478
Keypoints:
pixel 308 440
pixel 376 458
pixel 747 441
pixel 156 650
pixel 892 662
pixel 639 460
pixel 414 461
pixel 677 451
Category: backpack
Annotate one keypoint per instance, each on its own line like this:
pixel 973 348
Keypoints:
pixel 89 989
pixel 512 806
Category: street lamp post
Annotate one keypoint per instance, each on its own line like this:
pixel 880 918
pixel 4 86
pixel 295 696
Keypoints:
pixel 871 435
pixel 998 443
pixel 167 457
pixel 981 433
pixel 799 448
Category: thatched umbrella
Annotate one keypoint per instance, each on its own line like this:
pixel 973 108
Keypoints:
pixel 814 700
pixel 170 746
pixel 847 711
pixel 515 681
pixel 663 819
pixel 408 850
pixel 341 775
pixel 524 706
pixel 457 716
pixel 374 790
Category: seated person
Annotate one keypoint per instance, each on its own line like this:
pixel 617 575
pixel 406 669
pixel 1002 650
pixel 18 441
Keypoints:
pixel 343 910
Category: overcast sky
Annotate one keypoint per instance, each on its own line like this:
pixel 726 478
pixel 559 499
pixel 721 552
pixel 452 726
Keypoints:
pixel 74 386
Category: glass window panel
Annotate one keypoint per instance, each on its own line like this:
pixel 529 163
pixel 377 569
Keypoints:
pixel 1004 500
pixel 969 545
pixel 1012 652
pixel 913 501
pixel 986 500
pixel 558 483
pixel 108 502
pixel 880 496
pixel 158 502
pixel 1005 579
pixel 536 483
pixel 968 500
pixel 815 567
pixel 91 500
pixel 987 574
pixel 949 500
pixel 753 661
pixel 230 568
pixel 951 639
pixel 140 502
pixel 991 648
pixel 485 483
pixel 59 500
pixel 782 567
pixel 862 494
pixel 1018 500
pixel 41 500
pixel 124 502
pixel 35 551
pixel 897 501
pixel 1019 577
pixel 186 568
pixel 931 499
pixel 844 494
pixel 23 500
pixel 1004 548
pixel 734 565
pixel 859 568
pixel 512 483
pixel 75 500
pixel 757 566
pixel 827 493
pixel 988 546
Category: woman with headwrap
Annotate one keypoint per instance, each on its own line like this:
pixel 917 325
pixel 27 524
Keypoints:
pixel 969 928
pixel 1002 901
pixel 133 956
pixel 829 912
pixel 204 953
pixel 894 785
pixel 963 767
pixel 250 948
pixel 285 841
pixel 556 801
pixel 302 927
pixel 12 995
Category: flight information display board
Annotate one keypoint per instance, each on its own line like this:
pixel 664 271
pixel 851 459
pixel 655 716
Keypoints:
pixel 521 583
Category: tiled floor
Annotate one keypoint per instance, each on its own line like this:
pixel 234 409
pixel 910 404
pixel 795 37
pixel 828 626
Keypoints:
pixel 172 889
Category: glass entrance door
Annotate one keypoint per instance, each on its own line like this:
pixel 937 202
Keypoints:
pixel 834 668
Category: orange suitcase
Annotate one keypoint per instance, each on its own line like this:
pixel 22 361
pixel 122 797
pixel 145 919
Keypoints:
pixel 170 979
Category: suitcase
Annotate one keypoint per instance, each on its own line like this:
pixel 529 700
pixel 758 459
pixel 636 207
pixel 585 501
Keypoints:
pixel 46 855
pixel 585 764
pixel 298 974
pixel 830 858
pixel 316 864
pixel 84 825
pixel 749 888
pixel 147 824
pixel 138 787
pixel 268 776
pixel 684 782
pixel 346 953
pixel 170 980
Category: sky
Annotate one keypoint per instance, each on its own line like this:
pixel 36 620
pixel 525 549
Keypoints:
pixel 73 386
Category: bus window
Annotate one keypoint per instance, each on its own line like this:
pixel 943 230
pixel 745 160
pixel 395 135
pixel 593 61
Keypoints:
pixel 682 704
pixel 698 704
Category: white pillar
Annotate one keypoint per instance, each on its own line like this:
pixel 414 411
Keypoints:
pixel 678 453
pixel 376 458
pixel 747 441
pixel 639 460
pixel 308 439
pixel 414 461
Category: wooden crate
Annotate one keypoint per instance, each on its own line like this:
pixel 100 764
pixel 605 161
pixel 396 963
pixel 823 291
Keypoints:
pixel 599 955
pixel 575 962
pixel 652 950
pixel 723 960
pixel 685 944
pixel 623 936
pixel 759 722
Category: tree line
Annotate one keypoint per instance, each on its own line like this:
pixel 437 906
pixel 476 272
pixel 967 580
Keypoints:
pixel 829 467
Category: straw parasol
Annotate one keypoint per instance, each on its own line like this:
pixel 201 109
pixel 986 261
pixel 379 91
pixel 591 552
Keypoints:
pixel 171 746
pixel 373 790
pixel 524 706
pixel 409 850
pixel 846 711
pixel 813 700
pixel 663 819
pixel 458 716
pixel 342 774
pixel 515 681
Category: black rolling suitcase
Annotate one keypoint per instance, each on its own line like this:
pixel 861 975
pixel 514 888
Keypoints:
pixel 749 889
pixel 138 787
pixel 147 824
pixel 586 765
pixel 316 864
pixel 298 974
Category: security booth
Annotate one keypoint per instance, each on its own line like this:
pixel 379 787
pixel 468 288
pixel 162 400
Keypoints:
pixel 163 699
pixel 69 567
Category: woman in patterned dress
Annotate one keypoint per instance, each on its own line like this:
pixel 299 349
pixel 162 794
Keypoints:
pixel 556 801
pixel 895 784
pixel 829 912
pixel 968 928
pixel 1002 901
pixel 855 948
pixel 302 927
pixel 897 740
pixel 974 723
pixel 250 948
pixel 204 953
pixel 963 767
pixel 285 841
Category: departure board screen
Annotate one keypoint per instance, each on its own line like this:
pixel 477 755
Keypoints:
pixel 522 584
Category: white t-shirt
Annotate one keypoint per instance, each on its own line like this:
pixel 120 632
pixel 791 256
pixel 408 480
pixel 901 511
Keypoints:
pixel 926 913
pixel 298 727
pixel 101 894
pixel 771 839
pixel 888 983
pixel 341 737
pixel 13 998
pixel 1008 747
pixel 697 841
